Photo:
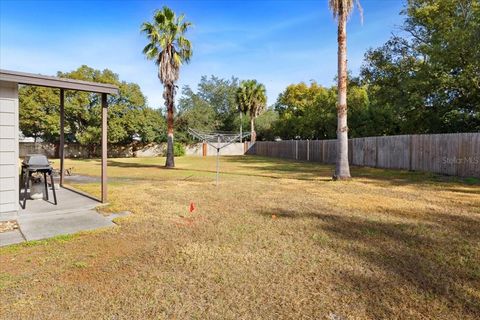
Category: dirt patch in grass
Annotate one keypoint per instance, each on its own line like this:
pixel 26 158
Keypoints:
pixel 276 239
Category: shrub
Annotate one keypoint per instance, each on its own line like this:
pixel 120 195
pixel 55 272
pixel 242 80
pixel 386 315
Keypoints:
pixel 178 149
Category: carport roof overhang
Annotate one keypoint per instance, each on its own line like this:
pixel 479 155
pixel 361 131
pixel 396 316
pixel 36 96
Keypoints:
pixel 54 82
pixel 15 77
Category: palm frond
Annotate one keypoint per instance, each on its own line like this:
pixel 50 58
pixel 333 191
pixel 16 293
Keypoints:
pixel 150 51
pixel 177 59
pixel 168 46
pixel 251 97
pixel 146 27
pixel 184 26
pixel 180 18
pixel 360 10
pixel 159 17
pixel 340 7
pixel 184 43
pixel 169 14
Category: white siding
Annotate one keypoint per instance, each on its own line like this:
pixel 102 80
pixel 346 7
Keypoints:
pixel 7 157
pixel 8 182
pixel 8 207
pixel 7 131
pixel 7 171
pixel 7 119
pixel 8 147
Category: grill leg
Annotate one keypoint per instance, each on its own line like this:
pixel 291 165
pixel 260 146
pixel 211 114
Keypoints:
pixel 46 185
pixel 27 176
pixel 53 188
pixel 21 181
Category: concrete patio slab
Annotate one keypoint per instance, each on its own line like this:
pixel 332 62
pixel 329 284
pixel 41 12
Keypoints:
pixel 67 201
pixel 10 237
pixel 42 219
pixel 54 224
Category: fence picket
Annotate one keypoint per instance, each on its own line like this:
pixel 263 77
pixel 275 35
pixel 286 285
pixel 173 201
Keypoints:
pixel 452 154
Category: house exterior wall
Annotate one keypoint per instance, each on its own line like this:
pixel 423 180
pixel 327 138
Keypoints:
pixel 9 184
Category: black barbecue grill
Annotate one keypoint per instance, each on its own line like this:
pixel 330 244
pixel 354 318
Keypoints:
pixel 36 163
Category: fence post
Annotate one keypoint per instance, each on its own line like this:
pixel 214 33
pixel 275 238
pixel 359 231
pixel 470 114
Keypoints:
pixel 296 149
pixel 308 150
pixel 323 151
pixel 364 152
pixel 410 165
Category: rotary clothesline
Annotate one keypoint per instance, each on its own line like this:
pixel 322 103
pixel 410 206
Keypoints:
pixel 217 140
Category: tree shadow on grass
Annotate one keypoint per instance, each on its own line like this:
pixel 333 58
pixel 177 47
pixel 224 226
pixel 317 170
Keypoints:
pixel 120 164
pixel 435 254
pixel 254 166
pixel 286 167
pixel 377 176
pixel 250 173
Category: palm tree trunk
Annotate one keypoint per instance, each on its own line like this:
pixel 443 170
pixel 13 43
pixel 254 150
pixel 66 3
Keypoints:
pixel 169 91
pixel 342 169
pixel 253 134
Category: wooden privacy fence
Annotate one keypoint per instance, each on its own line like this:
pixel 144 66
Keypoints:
pixel 456 154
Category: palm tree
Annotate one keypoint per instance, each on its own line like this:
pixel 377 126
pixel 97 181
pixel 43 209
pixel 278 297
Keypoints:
pixel 341 10
pixel 169 48
pixel 251 97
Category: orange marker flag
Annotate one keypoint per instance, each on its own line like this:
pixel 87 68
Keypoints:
pixel 192 207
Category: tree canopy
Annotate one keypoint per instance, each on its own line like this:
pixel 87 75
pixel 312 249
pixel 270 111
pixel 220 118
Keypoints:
pixel 129 117
pixel 211 107
pixel 428 77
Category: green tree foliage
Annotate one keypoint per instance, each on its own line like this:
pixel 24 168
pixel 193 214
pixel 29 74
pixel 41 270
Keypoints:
pixel 306 111
pixel 179 149
pixel 425 80
pixel 309 111
pixel 194 112
pixel 428 79
pixel 264 125
pixel 39 113
pixel 150 126
pixel 129 118
pixel 211 107
pixel 220 94
pixel 251 99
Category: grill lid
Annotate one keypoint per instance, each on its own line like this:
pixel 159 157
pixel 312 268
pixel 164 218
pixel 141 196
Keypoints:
pixel 36 160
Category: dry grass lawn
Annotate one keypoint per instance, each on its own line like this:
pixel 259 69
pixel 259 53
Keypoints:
pixel 275 240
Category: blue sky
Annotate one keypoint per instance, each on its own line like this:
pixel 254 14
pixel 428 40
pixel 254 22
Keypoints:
pixel 276 42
